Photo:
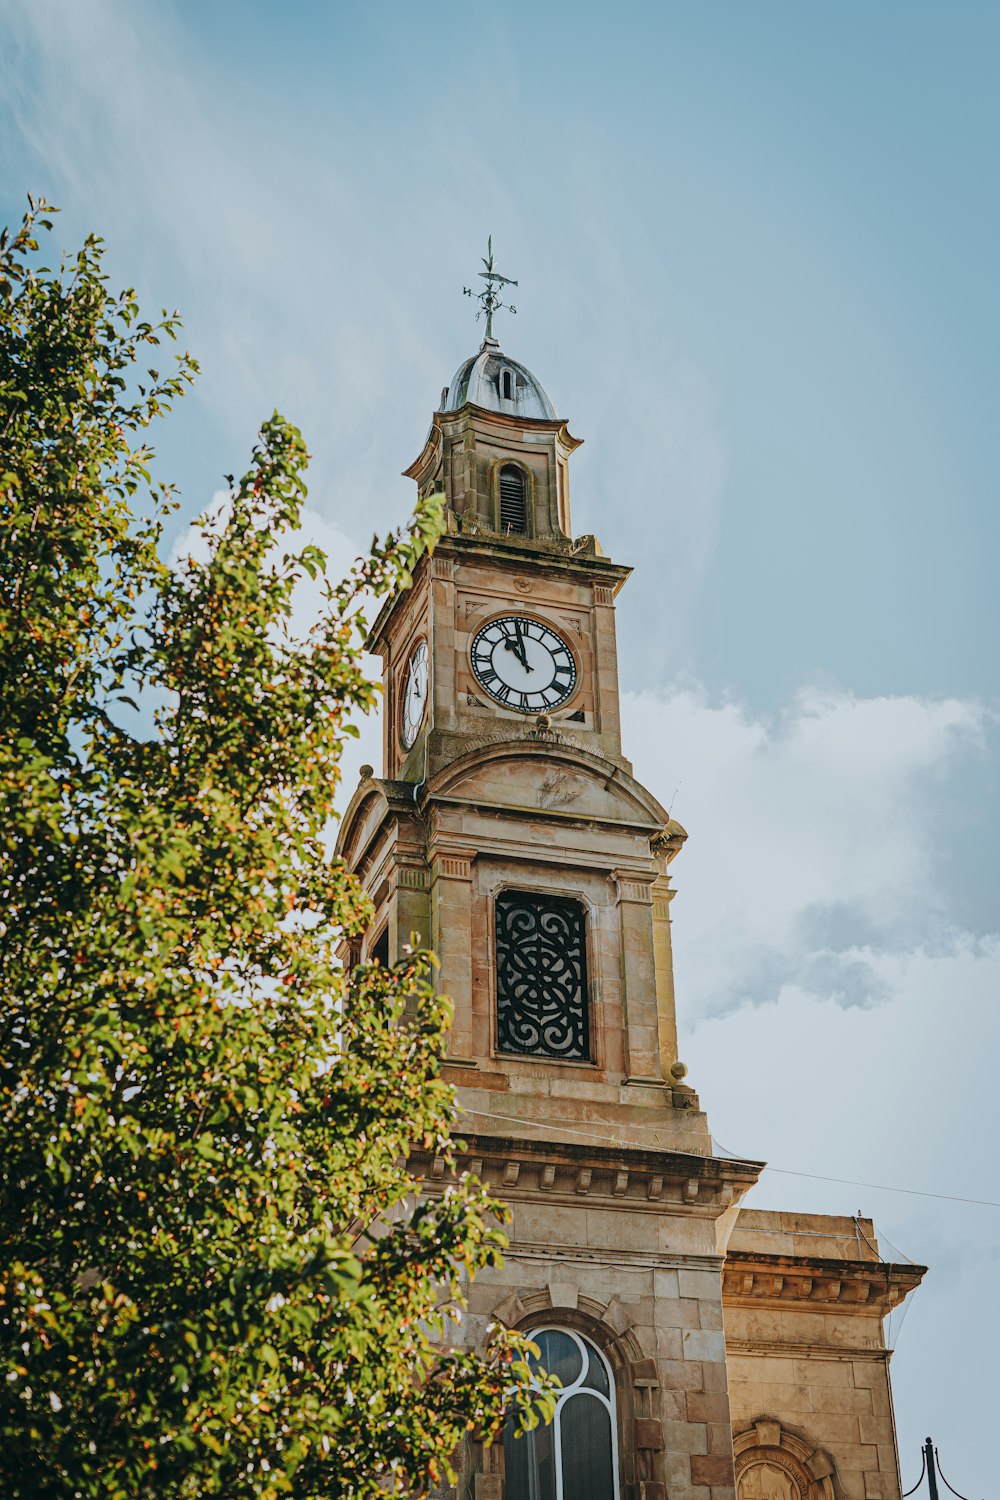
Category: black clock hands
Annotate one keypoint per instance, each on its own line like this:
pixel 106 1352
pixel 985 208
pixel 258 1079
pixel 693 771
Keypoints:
pixel 518 647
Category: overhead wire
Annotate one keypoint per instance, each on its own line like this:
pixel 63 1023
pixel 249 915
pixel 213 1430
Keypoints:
pixel 877 1187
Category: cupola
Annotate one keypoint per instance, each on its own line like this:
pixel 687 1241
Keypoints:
pixel 495 382
pixel 496 447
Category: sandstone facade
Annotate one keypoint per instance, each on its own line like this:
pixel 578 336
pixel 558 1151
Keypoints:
pixel 745 1348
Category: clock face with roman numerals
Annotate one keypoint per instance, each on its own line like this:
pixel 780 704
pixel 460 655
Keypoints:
pixel 523 664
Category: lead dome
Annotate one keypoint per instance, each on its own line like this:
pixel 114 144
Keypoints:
pixel 494 381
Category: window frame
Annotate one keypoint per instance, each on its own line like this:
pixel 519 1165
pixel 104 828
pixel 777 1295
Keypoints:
pixel 528 486
pixel 609 1402
pixel 592 1057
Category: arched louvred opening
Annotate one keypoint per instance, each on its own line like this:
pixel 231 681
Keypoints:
pixel 513 501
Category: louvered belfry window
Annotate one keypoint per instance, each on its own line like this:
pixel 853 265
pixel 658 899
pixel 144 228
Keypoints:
pixel 513 501
pixel 541 975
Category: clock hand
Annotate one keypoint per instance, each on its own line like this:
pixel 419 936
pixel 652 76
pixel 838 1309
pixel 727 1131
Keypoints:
pixel 520 646
pixel 518 651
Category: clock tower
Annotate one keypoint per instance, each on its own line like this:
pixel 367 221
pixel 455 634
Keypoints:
pixel 508 833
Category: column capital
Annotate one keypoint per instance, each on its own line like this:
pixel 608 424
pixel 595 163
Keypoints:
pixel 634 885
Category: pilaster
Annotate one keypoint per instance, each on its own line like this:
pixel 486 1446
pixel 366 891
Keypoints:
pixel 635 909
pixel 451 935
pixel 663 963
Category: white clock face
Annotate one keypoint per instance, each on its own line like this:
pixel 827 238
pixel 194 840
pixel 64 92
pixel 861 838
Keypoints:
pixel 414 695
pixel 523 664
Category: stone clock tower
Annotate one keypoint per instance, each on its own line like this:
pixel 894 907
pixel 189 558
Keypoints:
pixel 508 832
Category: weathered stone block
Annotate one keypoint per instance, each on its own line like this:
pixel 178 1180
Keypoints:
pixel 668 1343
pixel 709 1313
pixel 823 1372
pixel 707 1284
pixel 705 1406
pixel 705 1345
pixel 872 1429
pixel 712 1469
pixel 677 1467
pixel 564 1294
pixel 616 1316
pixel 644 1372
pixel 714 1378
pixel 819 1464
pixel 665 1284
pixel 648 1433
pixel 686 1437
pixel 673 1405
pixel 678 1312
pixel 682 1375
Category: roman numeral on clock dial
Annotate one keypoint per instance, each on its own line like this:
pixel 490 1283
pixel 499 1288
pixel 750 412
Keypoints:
pixel 523 664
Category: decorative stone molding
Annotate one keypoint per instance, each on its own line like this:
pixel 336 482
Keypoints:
pixel 410 878
pixel 564 1294
pixel 629 1178
pixel 633 888
pixel 773 1463
pixel 442 567
pixel 511 1311
pixel 603 595
pixel 850 1284
pixel 616 1316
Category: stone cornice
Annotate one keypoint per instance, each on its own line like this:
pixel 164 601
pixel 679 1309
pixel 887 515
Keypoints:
pixel 630 1178
pixel 791 1349
pixel 849 1285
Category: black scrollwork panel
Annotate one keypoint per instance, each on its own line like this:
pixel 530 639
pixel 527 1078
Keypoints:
pixel 541 976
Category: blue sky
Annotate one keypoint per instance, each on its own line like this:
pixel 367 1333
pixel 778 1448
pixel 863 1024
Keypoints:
pixel 757 248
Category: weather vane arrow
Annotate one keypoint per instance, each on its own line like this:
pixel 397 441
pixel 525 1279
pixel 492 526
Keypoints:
pixel 490 299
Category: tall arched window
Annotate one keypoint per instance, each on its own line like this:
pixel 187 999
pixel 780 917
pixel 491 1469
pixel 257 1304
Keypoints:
pixel 513 504
pixel 576 1456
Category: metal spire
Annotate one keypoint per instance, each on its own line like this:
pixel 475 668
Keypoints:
pixel 490 298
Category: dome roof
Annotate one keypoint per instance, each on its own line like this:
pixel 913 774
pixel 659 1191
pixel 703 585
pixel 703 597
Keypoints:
pixel 498 383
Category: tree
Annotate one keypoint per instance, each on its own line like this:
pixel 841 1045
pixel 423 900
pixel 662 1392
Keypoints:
pixel 200 1110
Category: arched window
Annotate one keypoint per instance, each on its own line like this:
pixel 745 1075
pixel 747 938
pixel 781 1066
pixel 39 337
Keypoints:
pixel 513 507
pixel 507 385
pixel 576 1456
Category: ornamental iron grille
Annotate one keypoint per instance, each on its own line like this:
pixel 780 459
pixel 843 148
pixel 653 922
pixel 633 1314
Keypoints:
pixel 541 976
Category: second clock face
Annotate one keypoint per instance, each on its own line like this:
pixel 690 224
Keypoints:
pixel 414 695
pixel 523 664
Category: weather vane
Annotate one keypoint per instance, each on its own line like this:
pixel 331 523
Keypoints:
pixel 490 298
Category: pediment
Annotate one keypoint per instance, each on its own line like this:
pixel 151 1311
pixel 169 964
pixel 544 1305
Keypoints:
pixel 549 778
pixel 365 814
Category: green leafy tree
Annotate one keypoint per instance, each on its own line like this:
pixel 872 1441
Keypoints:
pixel 200 1111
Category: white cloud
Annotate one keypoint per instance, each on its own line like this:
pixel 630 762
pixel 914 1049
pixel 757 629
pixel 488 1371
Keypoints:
pixel 810 836
pixel 900 1095
pixel 835 1020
